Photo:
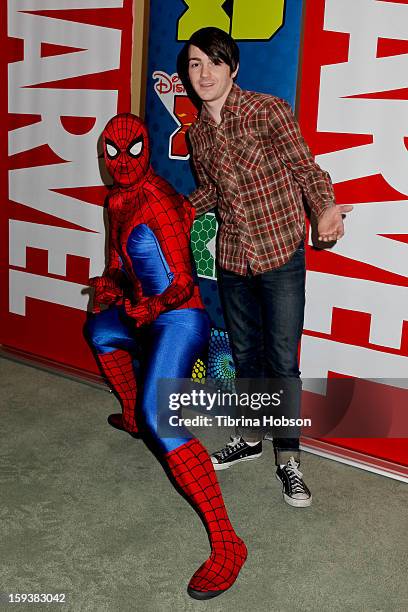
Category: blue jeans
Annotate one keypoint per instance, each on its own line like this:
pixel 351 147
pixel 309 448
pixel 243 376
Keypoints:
pixel 264 317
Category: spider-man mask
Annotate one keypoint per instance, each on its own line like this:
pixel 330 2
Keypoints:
pixel 126 149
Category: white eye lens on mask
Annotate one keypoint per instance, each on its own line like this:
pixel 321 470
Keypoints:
pixel 111 150
pixel 136 148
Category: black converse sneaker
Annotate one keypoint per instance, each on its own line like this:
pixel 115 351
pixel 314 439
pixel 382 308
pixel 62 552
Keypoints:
pixel 235 451
pixel 294 489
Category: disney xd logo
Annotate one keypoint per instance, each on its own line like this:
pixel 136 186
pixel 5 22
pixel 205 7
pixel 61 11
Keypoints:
pixel 243 19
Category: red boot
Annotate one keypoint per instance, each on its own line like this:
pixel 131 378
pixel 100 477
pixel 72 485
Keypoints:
pixel 193 471
pixel 118 369
pixel 116 420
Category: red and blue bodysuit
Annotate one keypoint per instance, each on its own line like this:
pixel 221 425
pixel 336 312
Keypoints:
pixel 155 313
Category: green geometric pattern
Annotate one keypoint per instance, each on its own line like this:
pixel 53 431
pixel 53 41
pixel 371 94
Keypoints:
pixel 203 244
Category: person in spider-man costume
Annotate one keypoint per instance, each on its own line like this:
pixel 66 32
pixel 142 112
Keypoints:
pixel 155 311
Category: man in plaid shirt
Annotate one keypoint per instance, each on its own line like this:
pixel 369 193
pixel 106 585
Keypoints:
pixel 253 165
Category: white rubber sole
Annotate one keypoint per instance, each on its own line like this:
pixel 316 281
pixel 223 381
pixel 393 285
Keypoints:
pixel 296 503
pixel 224 466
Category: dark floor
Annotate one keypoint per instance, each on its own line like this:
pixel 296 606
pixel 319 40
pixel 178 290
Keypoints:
pixel 88 511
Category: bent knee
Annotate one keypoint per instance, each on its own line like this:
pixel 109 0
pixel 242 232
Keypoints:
pixel 97 334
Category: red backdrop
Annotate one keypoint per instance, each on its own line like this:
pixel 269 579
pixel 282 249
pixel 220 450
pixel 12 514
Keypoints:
pixel 65 72
pixel 351 111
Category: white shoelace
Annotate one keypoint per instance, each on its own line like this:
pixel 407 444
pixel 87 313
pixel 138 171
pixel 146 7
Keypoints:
pixel 295 476
pixel 231 446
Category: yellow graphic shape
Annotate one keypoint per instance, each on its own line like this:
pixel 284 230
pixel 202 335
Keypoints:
pixel 199 371
pixel 251 19
pixel 256 20
pixel 201 15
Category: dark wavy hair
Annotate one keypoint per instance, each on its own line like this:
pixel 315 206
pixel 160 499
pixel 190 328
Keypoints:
pixel 217 44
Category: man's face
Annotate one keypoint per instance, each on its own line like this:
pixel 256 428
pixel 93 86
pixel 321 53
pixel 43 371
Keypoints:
pixel 210 81
pixel 126 149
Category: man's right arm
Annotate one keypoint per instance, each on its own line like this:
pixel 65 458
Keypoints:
pixel 205 197
pixel 108 286
pixel 114 266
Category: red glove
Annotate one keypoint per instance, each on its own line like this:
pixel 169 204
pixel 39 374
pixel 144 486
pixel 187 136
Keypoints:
pixel 145 311
pixel 106 291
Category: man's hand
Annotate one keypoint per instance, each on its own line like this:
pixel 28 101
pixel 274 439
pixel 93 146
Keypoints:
pixel 145 311
pixel 106 292
pixel 330 225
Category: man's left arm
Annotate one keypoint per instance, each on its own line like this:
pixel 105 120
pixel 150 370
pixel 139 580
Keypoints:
pixel 172 218
pixel 315 182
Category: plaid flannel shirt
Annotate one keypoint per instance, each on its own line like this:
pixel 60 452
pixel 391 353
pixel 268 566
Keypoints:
pixel 256 167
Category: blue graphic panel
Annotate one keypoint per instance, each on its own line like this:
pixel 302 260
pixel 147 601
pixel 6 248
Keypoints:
pixel 269 66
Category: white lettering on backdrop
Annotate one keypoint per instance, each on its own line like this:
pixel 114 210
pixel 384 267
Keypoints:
pixel 36 187
pixel 366 21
